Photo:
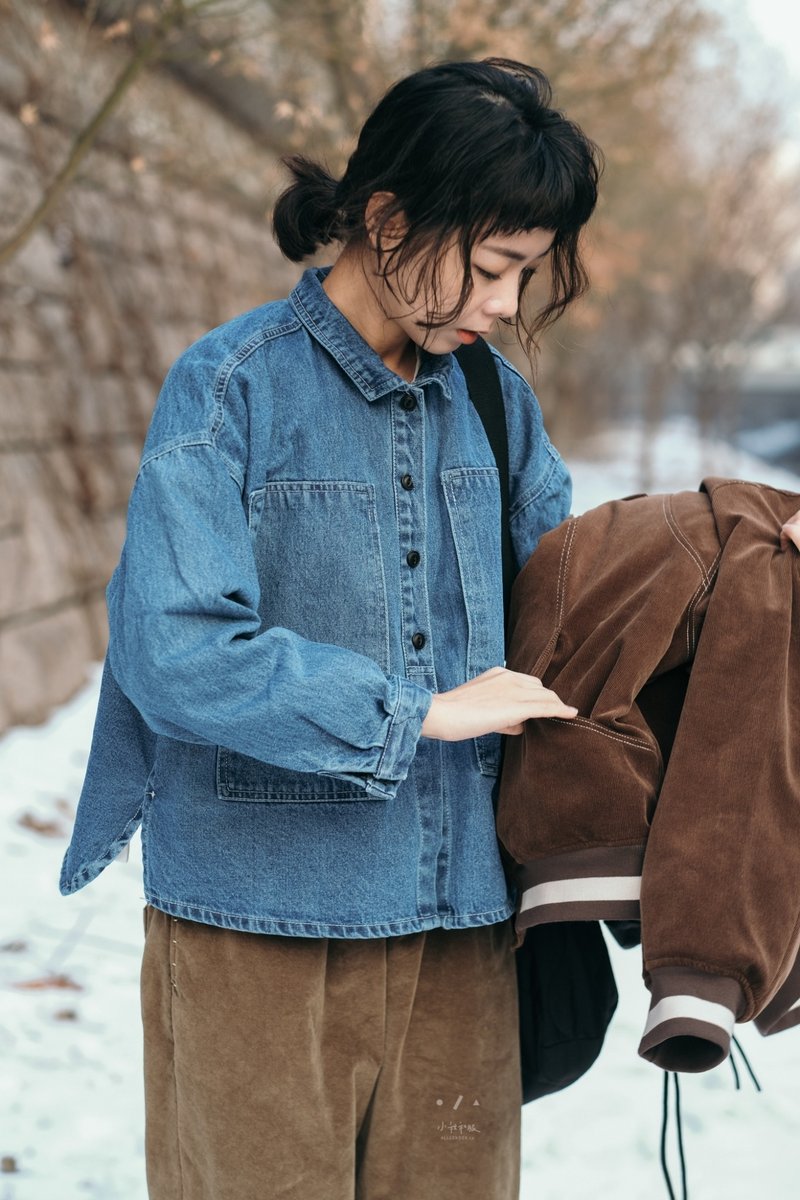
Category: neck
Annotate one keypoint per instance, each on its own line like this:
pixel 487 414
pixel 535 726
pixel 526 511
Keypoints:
pixel 355 288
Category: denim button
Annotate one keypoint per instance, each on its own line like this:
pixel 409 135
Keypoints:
pixel 418 641
pixel 407 482
pixel 408 403
pixel 412 558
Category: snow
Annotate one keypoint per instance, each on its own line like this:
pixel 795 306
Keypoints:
pixel 71 1094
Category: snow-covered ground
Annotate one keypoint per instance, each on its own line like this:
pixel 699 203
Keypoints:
pixel 71 1101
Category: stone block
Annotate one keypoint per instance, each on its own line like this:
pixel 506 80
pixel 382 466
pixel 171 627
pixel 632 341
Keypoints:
pixel 42 664
pixel 13 135
pixel 22 339
pixel 57 325
pixel 97 332
pixel 13 83
pixel 38 264
pixel 31 397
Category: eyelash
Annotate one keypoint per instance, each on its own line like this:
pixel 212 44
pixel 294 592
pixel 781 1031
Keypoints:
pixel 487 275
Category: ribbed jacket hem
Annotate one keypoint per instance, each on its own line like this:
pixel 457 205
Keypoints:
pixel 598 883
pixel 691 1019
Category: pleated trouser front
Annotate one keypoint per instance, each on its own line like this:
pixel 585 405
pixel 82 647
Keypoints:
pixel 291 1068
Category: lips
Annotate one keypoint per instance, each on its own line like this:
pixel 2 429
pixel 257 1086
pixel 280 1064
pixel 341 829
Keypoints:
pixel 467 336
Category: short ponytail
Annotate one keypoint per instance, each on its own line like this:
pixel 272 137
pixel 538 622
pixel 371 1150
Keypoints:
pixel 305 215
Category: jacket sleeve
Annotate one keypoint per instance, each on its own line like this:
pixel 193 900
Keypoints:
pixel 185 643
pixel 539 482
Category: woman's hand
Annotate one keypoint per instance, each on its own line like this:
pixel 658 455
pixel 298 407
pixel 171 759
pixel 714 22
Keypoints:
pixel 790 532
pixel 498 701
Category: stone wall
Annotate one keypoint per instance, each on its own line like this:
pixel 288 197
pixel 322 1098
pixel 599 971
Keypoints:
pixel 162 235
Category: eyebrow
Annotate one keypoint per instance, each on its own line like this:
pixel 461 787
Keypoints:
pixel 517 257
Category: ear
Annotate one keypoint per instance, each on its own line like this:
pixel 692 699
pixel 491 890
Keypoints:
pixel 393 231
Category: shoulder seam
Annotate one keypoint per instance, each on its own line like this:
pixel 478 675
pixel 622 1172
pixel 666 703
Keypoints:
pixel 187 442
pixel 226 369
pixel 538 488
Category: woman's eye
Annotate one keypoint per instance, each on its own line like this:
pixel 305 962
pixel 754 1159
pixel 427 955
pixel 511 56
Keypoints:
pixel 487 274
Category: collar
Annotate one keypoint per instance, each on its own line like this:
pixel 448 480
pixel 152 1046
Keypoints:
pixel 355 356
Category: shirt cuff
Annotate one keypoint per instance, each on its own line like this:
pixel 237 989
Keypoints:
pixel 408 703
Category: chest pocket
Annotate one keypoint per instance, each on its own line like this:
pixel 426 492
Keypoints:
pixel 320 569
pixel 473 504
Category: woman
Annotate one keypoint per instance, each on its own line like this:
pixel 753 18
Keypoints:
pixel 304 694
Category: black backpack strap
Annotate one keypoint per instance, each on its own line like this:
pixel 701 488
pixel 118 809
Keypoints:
pixel 565 982
pixel 483 382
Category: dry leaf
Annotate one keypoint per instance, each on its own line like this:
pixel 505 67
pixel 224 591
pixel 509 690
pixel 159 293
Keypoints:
pixel 118 29
pixel 29 114
pixel 48 38
pixel 29 820
pixel 49 981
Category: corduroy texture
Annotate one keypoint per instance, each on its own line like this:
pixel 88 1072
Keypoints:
pixel 610 606
pixel 297 1068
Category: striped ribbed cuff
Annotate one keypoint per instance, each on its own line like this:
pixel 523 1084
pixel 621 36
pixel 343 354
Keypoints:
pixel 691 1019
pixel 601 883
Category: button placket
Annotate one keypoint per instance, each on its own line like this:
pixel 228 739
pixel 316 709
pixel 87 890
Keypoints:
pixel 410 450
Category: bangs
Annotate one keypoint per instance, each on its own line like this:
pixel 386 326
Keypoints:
pixel 490 157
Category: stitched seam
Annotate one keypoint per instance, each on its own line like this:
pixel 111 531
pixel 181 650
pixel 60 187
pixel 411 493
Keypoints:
pixel 706 968
pixel 703 590
pixel 561 571
pixel 680 537
pixel 286 921
pixel 234 360
pixel 693 602
pixel 582 723
pixel 570 540
pixel 529 497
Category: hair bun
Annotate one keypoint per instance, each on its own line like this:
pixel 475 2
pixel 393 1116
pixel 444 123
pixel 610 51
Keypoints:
pixel 305 215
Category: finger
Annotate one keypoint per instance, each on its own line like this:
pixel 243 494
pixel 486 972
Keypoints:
pixel 790 533
pixel 554 708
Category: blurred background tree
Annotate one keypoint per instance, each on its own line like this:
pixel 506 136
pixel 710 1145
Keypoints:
pixel 690 247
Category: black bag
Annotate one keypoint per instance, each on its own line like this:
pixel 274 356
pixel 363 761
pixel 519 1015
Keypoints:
pixel 567 993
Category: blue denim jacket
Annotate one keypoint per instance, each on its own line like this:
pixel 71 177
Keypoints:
pixel 312 550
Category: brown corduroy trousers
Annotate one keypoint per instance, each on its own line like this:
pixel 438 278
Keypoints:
pixel 294 1068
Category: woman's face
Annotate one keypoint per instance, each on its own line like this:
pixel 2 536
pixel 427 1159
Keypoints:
pixel 497 265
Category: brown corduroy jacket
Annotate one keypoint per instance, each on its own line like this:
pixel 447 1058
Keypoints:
pixel 673 624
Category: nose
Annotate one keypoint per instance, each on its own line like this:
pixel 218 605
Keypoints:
pixel 504 299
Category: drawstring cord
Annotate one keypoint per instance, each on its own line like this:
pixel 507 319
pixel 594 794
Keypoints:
pixel 678 1123
pixel 679 1127
pixel 750 1070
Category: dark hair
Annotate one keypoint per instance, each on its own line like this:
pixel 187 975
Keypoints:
pixel 466 149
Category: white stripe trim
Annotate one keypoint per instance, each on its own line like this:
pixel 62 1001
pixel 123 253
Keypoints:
pixel 792 1007
pixel 564 891
pixel 691 1008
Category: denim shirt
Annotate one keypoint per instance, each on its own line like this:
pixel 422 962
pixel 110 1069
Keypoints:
pixel 312 551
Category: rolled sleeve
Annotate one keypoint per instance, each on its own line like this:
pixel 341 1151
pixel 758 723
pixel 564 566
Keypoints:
pixel 409 711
